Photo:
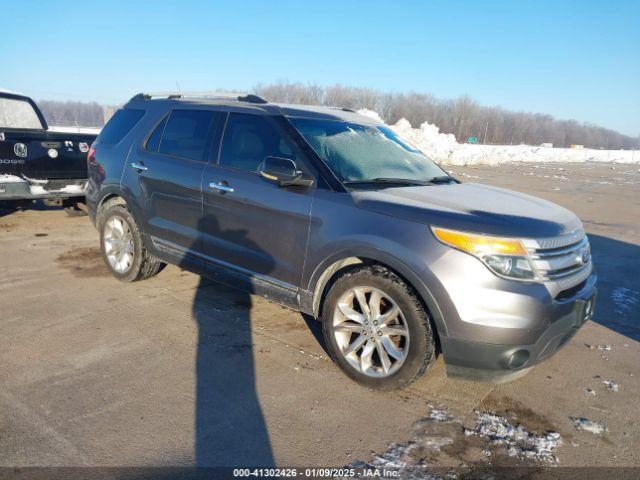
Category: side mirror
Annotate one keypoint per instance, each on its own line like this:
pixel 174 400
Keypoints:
pixel 282 171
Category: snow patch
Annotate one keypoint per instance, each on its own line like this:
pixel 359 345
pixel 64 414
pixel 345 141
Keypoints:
pixel 5 178
pixel 439 415
pixel 371 114
pixel 37 190
pixel 587 425
pixel 415 458
pixel 518 442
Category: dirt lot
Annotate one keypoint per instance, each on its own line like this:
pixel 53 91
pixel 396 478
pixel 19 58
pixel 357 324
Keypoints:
pixel 178 370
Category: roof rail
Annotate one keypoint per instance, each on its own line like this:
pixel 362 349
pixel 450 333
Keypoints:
pixel 239 96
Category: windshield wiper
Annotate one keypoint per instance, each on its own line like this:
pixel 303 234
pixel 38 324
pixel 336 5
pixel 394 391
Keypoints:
pixel 443 179
pixel 386 181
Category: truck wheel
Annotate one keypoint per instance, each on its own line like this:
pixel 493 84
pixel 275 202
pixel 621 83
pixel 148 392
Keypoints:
pixel 72 209
pixel 122 248
pixel 376 329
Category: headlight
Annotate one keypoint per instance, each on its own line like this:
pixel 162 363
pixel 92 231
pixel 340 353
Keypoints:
pixel 504 256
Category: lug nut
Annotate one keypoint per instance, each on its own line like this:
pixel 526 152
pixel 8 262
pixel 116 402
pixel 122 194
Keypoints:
pixel 380 333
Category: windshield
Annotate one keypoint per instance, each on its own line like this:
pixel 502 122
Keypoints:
pixel 357 152
pixel 18 114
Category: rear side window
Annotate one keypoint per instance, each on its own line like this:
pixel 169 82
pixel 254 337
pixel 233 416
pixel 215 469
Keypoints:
pixel 186 134
pixel 120 124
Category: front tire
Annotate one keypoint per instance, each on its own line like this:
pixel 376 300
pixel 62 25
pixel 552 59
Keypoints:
pixel 122 247
pixel 376 329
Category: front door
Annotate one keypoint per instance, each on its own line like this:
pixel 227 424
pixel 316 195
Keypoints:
pixel 251 224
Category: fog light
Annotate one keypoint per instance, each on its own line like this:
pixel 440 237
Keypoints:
pixel 588 309
pixel 518 358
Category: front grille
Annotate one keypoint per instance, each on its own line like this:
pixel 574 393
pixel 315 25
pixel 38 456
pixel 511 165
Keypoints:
pixel 565 259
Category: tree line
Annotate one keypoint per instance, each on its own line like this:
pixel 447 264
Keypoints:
pixel 462 117
pixel 74 114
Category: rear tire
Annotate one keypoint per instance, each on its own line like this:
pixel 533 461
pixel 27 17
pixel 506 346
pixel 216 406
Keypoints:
pixel 122 247
pixel 72 209
pixel 374 345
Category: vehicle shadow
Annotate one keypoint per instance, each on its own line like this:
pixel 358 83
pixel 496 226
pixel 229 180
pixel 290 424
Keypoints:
pixel 617 264
pixel 229 426
pixel 7 207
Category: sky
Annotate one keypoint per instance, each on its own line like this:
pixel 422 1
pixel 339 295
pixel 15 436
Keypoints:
pixel 569 58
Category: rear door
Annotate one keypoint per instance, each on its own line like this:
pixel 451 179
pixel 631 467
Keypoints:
pixel 254 225
pixel 166 171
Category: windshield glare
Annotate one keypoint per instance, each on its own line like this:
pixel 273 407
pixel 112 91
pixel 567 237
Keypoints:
pixel 357 152
pixel 16 113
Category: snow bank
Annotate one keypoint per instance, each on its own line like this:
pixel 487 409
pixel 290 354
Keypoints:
pixel 444 149
pixel 86 130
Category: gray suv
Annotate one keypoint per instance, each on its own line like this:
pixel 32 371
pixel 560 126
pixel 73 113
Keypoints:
pixel 330 213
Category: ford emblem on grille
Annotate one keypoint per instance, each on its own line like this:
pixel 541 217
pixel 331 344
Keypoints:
pixel 584 257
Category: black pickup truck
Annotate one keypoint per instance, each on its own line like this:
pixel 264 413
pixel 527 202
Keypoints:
pixel 38 162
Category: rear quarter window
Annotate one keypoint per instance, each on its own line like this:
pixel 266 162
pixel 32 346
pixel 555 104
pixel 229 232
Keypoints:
pixel 16 113
pixel 120 124
pixel 153 142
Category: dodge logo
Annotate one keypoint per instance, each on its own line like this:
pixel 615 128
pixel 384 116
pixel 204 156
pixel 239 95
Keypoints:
pixel 20 149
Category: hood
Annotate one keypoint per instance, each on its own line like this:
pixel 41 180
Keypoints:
pixel 471 207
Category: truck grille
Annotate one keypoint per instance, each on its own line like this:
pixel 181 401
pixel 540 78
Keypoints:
pixel 565 259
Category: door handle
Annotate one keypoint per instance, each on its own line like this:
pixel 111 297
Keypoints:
pixel 221 187
pixel 139 167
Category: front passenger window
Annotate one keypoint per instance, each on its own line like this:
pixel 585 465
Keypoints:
pixel 186 134
pixel 248 139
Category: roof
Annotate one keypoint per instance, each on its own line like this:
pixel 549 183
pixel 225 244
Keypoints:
pixel 243 101
pixel 326 113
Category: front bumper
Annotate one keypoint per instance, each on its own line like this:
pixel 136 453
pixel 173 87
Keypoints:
pixel 503 362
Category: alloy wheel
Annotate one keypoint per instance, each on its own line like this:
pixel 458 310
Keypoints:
pixel 371 332
pixel 118 244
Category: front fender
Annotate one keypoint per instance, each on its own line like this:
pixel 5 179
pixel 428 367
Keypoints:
pixel 363 253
